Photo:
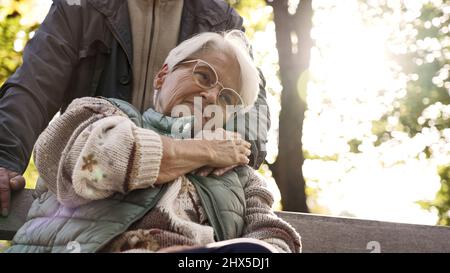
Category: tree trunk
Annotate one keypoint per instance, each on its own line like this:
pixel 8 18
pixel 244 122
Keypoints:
pixel 294 59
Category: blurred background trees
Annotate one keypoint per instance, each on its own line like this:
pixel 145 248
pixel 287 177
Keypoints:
pixel 418 48
pixel 293 25
pixel 293 22
pixel 359 97
pixel 376 125
pixel 15 32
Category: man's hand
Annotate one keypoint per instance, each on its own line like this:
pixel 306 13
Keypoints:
pixel 9 180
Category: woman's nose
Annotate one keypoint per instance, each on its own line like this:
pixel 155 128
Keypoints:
pixel 210 95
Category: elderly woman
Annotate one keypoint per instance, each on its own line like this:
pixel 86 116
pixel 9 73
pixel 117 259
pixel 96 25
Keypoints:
pixel 119 181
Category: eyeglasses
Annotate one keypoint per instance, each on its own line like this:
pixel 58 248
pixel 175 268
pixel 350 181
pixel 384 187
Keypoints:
pixel 205 76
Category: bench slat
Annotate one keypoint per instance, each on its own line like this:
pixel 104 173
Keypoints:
pixel 20 204
pixel 319 233
pixel 339 234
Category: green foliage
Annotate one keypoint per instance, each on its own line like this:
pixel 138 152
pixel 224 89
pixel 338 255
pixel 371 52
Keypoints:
pixel 426 64
pixel 441 203
pixel 31 175
pixel 308 155
pixel 423 89
pixel 11 31
pixel 255 19
pixel 9 59
pixel 354 145
pixel 426 90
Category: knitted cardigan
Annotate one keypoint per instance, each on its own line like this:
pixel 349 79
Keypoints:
pixel 99 128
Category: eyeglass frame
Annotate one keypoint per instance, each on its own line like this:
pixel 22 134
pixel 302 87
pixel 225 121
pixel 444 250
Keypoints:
pixel 197 61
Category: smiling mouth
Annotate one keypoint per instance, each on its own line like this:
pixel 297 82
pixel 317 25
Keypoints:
pixel 200 112
pixel 191 104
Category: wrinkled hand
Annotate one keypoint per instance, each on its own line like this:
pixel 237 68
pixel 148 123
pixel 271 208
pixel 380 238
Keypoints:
pixel 9 180
pixel 227 151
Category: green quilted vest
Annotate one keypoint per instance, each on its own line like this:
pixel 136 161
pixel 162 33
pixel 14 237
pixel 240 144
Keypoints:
pixel 51 227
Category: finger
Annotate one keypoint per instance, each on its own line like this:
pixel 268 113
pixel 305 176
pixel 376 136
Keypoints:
pixel 243 159
pixel 12 174
pixel 247 144
pixel 245 151
pixel 222 171
pixel 228 135
pixel 232 135
pixel 207 172
pixel 220 134
pixel 237 135
pixel 5 193
pixel 17 183
pixel 238 142
pixel 199 170
pixel 218 172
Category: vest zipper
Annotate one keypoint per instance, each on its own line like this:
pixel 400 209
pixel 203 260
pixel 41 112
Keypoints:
pixel 213 214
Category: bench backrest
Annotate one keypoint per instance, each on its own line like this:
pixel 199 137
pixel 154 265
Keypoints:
pixel 338 234
pixel 319 233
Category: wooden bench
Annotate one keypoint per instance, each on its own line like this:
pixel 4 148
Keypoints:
pixel 319 233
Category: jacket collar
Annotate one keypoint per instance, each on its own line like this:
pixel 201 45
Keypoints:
pixel 116 13
pixel 107 7
pixel 195 13
pixel 201 15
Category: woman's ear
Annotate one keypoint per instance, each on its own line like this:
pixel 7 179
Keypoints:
pixel 161 77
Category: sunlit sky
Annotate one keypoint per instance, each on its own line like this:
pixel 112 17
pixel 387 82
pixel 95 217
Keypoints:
pixel 349 66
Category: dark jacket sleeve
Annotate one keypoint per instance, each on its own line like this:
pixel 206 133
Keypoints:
pixel 257 120
pixel 34 93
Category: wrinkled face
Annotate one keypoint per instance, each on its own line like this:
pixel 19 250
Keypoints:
pixel 178 87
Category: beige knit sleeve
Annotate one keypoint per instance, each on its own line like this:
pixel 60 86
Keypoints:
pixel 94 150
pixel 262 223
pixel 114 156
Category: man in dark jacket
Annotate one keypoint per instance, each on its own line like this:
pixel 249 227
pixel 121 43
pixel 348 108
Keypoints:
pixel 99 48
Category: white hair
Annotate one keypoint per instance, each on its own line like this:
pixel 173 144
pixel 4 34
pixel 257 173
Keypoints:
pixel 234 40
